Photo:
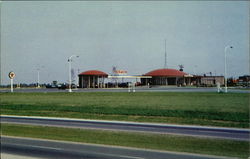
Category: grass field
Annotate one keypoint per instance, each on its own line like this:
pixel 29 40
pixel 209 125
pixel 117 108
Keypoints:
pixel 140 140
pixel 229 110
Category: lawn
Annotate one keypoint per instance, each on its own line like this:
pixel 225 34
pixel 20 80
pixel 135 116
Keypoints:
pixel 140 140
pixel 229 110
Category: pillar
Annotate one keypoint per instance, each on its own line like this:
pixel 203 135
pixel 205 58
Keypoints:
pixel 103 84
pixel 93 82
pixel 81 81
pixel 89 82
pixel 97 81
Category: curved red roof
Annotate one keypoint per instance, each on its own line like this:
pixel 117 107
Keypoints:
pixel 93 73
pixel 166 72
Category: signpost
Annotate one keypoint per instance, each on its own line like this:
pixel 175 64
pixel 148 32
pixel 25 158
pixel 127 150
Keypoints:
pixel 218 87
pixel 11 76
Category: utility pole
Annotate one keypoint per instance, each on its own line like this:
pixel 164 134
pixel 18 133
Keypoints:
pixel 225 67
pixel 165 63
pixel 70 60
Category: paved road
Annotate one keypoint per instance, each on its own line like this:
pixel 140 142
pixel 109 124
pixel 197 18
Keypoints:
pixel 200 131
pixel 69 150
pixel 138 89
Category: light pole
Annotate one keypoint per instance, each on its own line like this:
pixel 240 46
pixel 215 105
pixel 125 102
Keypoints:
pixel 70 60
pixel 225 67
pixel 38 76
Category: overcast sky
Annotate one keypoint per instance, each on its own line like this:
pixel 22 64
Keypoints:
pixel 129 35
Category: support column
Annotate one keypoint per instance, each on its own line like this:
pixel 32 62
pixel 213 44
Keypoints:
pixel 93 83
pixel 82 81
pixel 103 84
pixel 89 82
pixel 97 81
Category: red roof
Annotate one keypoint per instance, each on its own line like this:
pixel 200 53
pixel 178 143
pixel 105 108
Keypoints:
pixel 93 73
pixel 166 72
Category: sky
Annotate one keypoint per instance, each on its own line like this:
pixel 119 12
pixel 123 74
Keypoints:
pixel 129 35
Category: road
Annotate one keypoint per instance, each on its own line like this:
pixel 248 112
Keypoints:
pixel 138 89
pixel 198 131
pixel 68 150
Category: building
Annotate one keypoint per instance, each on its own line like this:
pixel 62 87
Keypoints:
pixel 207 80
pixel 167 77
pixel 92 79
pixel 164 77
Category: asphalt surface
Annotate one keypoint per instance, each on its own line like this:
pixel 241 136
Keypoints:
pixel 198 131
pixel 138 89
pixel 68 150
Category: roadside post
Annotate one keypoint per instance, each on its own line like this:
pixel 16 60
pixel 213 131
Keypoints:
pixel 129 87
pixel 218 87
pixel 11 76
pixel 133 87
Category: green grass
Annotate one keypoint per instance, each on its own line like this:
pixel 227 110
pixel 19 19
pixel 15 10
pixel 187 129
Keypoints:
pixel 230 110
pixel 139 140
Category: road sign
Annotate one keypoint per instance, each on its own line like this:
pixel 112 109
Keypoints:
pixel 11 75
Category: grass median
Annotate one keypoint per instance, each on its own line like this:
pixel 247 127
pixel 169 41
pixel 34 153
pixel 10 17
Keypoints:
pixel 229 110
pixel 139 140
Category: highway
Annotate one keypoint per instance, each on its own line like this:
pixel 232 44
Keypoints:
pixel 49 149
pixel 138 89
pixel 198 131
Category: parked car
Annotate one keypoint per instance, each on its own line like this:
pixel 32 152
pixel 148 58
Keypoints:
pixel 66 86
pixel 51 86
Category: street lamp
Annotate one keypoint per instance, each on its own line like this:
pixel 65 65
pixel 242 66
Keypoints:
pixel 70 60
pixel 38 76
pixel 225 67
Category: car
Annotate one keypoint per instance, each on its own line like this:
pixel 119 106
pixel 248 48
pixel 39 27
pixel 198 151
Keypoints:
pixel 66 86
pixel 62 86
pixel 51 85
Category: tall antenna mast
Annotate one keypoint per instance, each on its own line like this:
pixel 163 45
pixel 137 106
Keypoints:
pixel 165 64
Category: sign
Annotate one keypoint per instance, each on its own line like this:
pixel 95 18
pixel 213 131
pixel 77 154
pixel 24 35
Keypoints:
pixel 120 72
pixel 11 75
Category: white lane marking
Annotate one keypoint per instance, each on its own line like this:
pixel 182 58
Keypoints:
pixel 115 155
pixel 131 157
pixel 42 147
pixel 12 156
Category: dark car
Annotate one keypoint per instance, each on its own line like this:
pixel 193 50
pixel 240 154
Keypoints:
pixel 62 86
pixel 66 86
pixel 51 86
